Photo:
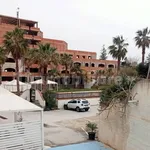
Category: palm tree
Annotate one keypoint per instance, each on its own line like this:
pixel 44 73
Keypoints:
pixel 66 61
pixel 108 73
pixel 77 74
pixel 142 40
pixel 44 56
pixel 28 61
pixel 2 61
pixel 119 49
pixel 99 73
pixel 15 44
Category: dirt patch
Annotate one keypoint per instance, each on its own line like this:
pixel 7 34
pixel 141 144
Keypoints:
pixel 77 124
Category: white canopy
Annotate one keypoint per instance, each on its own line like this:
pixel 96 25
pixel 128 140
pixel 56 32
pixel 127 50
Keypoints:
pixel 14 103
pixel 40 82
pixel 12 86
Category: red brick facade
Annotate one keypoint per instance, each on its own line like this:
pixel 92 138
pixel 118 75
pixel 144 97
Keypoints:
pixel 86 59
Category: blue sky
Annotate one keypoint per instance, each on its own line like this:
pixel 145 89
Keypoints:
pixel 85 24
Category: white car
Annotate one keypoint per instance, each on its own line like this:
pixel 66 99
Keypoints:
pixel 78 105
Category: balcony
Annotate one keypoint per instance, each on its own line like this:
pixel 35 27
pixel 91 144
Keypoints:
pixel 30 28
pixel 29 37
pixel 21 74
pixel 33 46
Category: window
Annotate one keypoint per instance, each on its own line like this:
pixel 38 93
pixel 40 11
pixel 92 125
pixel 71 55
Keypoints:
pixel 83 57
pixel 89 57
pixel 101 65
pixel 10 60
pixel 92 72
pixel 78 101
pixel 86 64
pixel 111 66
pixel 77 56
pixel 74 101
pixel 92 65
pixel 85 102
pixel 9 70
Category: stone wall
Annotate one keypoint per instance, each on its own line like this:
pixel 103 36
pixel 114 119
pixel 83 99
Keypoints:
pixel 132 130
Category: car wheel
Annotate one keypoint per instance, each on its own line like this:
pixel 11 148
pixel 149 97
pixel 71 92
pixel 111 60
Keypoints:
pixel 78 109
pixel 65 107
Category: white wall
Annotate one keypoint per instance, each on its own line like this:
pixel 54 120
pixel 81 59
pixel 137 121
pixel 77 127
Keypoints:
pixel 39 97
pixel 92 101
pixel 26 95
pixel 132 131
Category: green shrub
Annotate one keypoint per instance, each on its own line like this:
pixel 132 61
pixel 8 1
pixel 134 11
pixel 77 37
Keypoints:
pixel 50 99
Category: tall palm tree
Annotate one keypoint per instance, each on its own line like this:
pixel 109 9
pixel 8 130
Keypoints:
pixel 28 61
pixel 2 61
pixel 15 44
pixel 66 61
pixel 99 73
pixel 119 49
pixel 44 56
pixel 142 40
pixel 108 73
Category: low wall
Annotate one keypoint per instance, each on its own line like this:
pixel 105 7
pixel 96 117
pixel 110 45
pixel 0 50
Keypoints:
pixel 132 131
pixel 92 101
pixel 82 94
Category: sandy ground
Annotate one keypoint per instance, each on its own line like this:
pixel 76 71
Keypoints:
pixel 63 127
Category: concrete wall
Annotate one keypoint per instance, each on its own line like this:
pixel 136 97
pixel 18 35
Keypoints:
pixel 92 101
pixel 131 131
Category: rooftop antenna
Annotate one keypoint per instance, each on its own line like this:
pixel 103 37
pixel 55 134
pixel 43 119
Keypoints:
pixel 18 21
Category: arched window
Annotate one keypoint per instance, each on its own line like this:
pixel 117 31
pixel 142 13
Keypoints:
pixel 92 65
pixel 101 65
pixel 86 64
pixel 77 63
pixel 110 66
pixel 9 70
pixel 10 60
pixel 34 70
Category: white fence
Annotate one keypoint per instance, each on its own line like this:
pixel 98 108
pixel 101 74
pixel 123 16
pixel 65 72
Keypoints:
pixel 21 136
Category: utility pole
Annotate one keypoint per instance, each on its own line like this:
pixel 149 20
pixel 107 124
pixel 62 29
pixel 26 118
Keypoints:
pixel 18 21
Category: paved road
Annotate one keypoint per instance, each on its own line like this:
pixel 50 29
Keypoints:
pixel 57 134
pixel 61 115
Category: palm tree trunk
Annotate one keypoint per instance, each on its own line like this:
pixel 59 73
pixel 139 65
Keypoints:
pixel 118 69
pixel 17 77
pixel 66 70
pixel 0 74
pixel 44 79
pixel 143 54
pixel 28 75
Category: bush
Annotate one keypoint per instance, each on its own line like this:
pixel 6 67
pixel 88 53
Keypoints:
pixel 142 70
pixel 50 99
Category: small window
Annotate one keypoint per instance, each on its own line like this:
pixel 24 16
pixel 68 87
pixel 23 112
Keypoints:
pixel 89 57
pixel 83 57
pixel 77 56
pixel 92 72
pixel 86 64
pixel 74 101
pixel 92 65
pixel 78 101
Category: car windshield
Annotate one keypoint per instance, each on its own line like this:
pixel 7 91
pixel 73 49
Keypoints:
pixel 85 102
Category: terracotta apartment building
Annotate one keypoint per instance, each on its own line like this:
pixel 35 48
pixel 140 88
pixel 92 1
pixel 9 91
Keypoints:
pixel 34 35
